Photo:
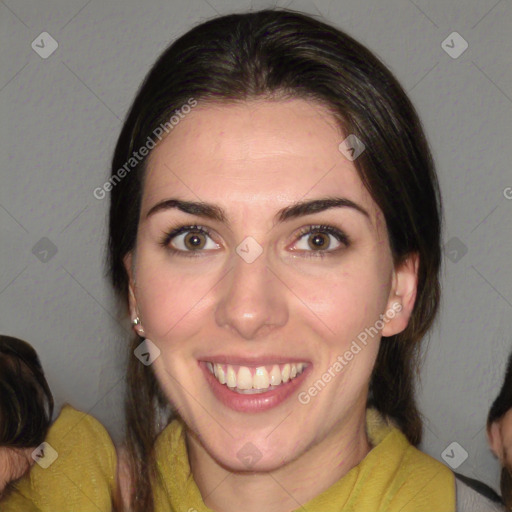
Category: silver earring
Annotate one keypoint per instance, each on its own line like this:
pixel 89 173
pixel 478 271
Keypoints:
pixel 137 324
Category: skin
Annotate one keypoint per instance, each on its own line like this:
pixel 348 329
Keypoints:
pixel 500 439
pixel 14 463
pixel 506 439
pixel 252 160
pixel 122 491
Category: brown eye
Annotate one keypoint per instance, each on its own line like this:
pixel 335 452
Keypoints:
pixel 319 241
pixel 194 241
pixel 190 239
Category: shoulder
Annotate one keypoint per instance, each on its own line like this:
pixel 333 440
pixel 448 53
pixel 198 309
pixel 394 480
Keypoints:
pixel 422 463
pixel 81 441
pixel 73 421
pixel 421 481
pixel 414 481
pixel 409 461
pixel 385 435
pixel 75 470
pixel 436 478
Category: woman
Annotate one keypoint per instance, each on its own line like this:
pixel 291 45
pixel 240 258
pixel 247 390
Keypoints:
pixel 275 233
pixel 288 219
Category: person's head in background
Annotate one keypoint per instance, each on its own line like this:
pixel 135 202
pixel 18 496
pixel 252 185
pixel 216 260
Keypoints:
pixel 274 94
pixel 499 431
pixel 26 408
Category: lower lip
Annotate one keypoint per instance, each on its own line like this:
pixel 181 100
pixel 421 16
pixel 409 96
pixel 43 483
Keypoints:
pixel 258 402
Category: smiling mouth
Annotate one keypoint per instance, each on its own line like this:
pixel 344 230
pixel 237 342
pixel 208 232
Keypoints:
pixel 249 380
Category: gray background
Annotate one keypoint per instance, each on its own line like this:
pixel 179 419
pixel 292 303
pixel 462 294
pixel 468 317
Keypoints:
pixel 60 120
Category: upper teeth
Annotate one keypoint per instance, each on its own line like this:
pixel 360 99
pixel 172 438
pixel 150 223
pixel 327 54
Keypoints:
pixel 257 378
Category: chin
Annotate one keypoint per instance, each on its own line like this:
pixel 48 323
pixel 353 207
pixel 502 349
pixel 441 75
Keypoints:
pixel 257 455
pixel 251 460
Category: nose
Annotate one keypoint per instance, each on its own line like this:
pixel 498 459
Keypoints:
pixel 252 300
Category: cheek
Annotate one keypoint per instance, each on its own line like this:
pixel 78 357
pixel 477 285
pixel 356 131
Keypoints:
pixel 169 300
pixel 506 429
pixel 347 300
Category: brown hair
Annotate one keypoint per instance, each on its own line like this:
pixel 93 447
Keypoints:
pixel 26 402
pixel 274 54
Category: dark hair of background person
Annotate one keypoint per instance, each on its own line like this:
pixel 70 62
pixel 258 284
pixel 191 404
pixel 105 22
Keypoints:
pixel 503 402
pixel 26 402
pixel 278 55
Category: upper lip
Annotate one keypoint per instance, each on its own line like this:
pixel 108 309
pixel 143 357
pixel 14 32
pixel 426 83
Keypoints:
pixel 253 360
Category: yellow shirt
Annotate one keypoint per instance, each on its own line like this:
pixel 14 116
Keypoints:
pixel 393 477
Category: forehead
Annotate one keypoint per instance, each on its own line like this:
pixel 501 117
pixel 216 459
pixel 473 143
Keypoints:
pixel 267 152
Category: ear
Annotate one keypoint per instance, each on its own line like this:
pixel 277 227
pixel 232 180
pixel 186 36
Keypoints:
pixel 402 295
pixel 132 301
pixel 495 440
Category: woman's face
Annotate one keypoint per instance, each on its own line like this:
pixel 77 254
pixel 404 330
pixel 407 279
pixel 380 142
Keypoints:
pixel 243 267
pixel 506 438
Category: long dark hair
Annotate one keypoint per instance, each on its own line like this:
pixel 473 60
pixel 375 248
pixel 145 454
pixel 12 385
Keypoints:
pixel 279 54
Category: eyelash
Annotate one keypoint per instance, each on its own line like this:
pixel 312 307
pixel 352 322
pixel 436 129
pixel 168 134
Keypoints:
pixel 339 235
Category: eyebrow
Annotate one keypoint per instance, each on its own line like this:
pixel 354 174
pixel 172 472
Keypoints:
pixel 299 209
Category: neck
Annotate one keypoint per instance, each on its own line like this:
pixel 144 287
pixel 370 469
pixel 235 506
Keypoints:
pixel 288 487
